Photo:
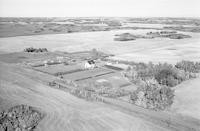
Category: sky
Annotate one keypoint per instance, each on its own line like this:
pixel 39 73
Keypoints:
pixel 99 8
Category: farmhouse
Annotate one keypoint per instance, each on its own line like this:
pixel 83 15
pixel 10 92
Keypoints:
pixel 90 64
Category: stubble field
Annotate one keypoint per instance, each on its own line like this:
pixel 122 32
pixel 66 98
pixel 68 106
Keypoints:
pixel 145 50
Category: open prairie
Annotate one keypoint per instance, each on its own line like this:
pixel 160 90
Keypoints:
pixel 156 50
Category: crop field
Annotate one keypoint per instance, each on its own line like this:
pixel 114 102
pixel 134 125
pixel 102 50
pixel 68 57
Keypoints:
pixel 185 104
pixel 80 55
pixel 87 74
pixel 142 50
pixel 17 57
pixel 59 68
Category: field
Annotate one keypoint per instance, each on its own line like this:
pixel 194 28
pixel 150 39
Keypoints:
pixel 156 50
pixel 18 57
pixel 36 26
pixel 78 76
pixel 59 68
pixel 184 103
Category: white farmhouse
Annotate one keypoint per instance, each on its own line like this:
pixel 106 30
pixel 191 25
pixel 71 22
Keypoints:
pixel 89 64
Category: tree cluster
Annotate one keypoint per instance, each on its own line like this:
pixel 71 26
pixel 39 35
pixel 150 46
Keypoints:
pixel 31 49
pixel 20 118
pixel 152 95
pixel 155 82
